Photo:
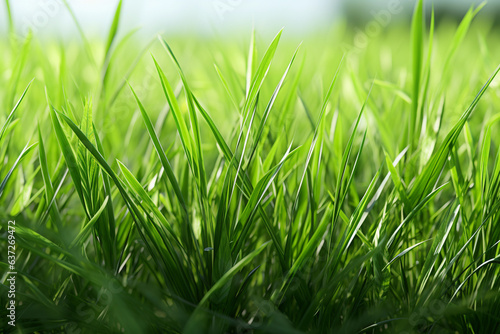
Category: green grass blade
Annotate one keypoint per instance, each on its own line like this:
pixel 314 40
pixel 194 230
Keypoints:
pixel 161 154
pixel 49 189
pixel 113 30
pixel 87 230
pixel 69 155
pixel 260 74
pixel 417 30
pixel 12 113
pixel 407 250
pixel 10 20
pixel 27 149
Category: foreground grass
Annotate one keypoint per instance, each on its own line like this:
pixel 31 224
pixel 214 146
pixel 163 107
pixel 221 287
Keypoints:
pixel 282 191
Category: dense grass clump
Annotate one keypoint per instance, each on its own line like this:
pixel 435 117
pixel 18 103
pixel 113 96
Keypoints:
pixel 285 190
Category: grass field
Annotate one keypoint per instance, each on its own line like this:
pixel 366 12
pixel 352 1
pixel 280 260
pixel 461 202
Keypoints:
pixel 287 189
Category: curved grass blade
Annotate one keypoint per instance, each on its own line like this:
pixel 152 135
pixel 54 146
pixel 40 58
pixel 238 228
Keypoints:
pixel 27 149
pixel 87 230
pixel 49 189
pixel 69 155
pixel 113 31
pixel 12 113
pixel 491 261
pixel 139 190
pixel 403 253
pixel 161 153
pixel 198 154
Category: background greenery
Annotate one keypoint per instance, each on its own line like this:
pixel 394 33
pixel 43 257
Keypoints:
pixel 330 188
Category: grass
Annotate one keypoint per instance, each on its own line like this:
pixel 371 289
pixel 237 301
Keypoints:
pixel 283 190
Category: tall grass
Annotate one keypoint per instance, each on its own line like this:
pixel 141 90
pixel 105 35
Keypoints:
pixel 283 190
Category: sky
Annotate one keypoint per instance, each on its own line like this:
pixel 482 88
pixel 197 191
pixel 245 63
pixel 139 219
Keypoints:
pixel 205 17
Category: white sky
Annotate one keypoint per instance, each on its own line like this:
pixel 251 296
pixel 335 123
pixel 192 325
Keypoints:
pixel 202 16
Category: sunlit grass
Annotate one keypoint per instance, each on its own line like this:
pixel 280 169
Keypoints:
pixel 188 185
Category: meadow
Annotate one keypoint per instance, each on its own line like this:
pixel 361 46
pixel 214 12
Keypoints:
pixel 253 184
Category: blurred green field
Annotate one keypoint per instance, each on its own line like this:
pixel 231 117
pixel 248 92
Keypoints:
pixel 253 184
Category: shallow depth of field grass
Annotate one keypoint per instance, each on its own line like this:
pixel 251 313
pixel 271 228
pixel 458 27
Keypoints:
pixel 287 189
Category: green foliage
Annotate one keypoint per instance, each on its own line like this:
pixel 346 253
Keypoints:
pixel 256 196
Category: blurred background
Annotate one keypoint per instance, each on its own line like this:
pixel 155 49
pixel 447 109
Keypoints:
pixel 218 17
